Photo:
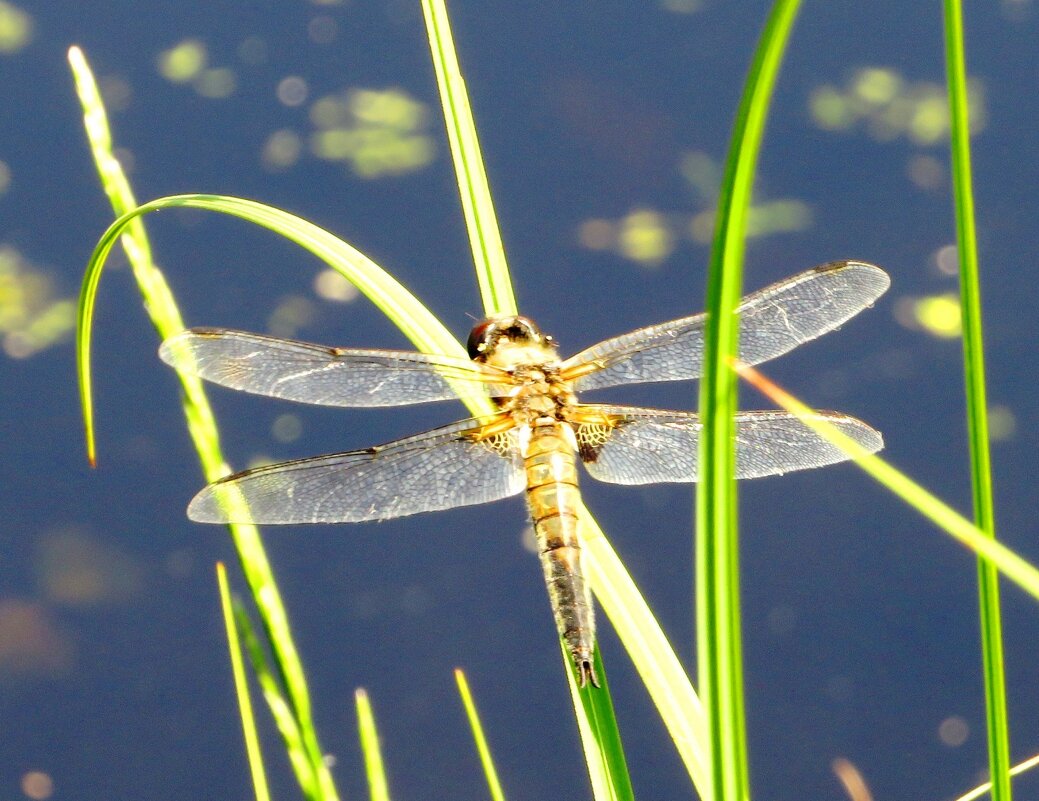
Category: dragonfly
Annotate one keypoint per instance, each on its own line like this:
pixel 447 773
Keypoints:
pixel 538 431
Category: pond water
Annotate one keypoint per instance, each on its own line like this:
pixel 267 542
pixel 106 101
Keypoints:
pixel 603 128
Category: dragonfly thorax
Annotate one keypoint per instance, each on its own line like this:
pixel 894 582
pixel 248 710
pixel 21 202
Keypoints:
pixel 538 392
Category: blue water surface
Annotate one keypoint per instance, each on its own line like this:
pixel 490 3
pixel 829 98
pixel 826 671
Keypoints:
pixel 602 126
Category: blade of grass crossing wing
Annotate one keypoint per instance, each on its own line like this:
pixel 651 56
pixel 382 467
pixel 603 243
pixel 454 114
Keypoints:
pixel 492 271
pixel 410 316
pixel 977 405
pixel 944 516
pixel 378 787
pixel 719 648
pixel 483 749
pixel 245 706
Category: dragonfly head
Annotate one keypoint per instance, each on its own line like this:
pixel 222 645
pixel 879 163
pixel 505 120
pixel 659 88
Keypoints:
pixel 488 335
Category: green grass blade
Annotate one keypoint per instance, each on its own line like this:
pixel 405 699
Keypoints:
pixel 977 405
pixel 488 252
pixel 597 726
pixel 941 514
pixel 719 647
pixel 651 653
pixel 600 736
pixel 378 787
pixel 280 706
pixel 113 179
pixel 162 309
pixel 245 706
pixel 483 749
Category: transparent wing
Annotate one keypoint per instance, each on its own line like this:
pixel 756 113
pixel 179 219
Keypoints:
pixel 647 446
pixel 300 371
pixel 773 320
pixel 440 469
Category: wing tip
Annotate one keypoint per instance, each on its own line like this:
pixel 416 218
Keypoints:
pixel 876 276
pixel 169 347
pixel 874 442
pixel 204 509
pixel 177 350
pixel 863 434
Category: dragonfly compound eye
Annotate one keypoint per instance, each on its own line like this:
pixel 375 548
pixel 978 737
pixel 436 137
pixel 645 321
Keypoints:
pixel 487 335
pixel 479 339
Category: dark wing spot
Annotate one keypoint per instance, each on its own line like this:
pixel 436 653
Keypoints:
pixel 589 454
pixel 590 439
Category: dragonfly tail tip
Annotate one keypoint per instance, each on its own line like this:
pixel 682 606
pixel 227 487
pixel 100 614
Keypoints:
pixel 586 674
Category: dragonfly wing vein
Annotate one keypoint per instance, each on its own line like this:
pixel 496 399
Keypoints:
pixel 773 321
pixel 441 469
pixel 308 373
pixel 647 446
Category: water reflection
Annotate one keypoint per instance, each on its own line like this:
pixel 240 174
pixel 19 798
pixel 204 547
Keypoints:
pixel 937 315
pixel 31 644
pixel 648 236
pixel 37 785
pixel 330 285
pixel 292 313
pixel 889 106
pixel 183 62
pixel 373 132
pixel 31 317
pixel 187 62
pixel 76 569
pixel 15 28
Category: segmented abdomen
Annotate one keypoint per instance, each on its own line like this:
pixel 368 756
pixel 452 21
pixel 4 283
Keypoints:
pixel 554 499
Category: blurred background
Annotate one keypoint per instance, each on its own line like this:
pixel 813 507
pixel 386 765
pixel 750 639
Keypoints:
pixel 604 127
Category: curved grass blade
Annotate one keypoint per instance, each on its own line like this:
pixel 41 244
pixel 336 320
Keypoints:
pixel 977 405
pixel 410 316
pixel 241 684
pixel 719 647
pixel 944 516
pixel 166 318
pixel 492 271
pixel 482 747
pixel 378 786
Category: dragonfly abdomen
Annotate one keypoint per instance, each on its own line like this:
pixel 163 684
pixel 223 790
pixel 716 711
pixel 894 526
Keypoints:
pixel 554 499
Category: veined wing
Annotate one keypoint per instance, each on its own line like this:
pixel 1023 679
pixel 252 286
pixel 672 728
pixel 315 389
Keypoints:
pixel 647 446
pixel 300 371
pixel 440 469
pixel 773 320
